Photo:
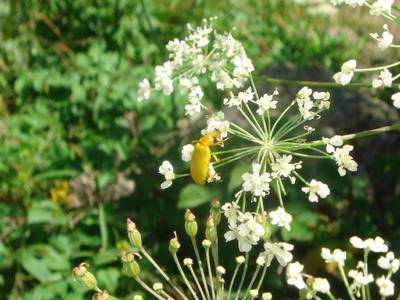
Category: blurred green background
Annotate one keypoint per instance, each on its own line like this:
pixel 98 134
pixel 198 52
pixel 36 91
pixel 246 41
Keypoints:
pixel 79 154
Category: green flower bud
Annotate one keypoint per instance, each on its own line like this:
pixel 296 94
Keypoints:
pixel 216 211
pixel 133 234
pixel 190 224
pixel 262 219
pixel 211 230
pixel 174 245
pixel 129 265
pixel 85 278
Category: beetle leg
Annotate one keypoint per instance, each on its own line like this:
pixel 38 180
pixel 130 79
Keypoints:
pixel 215 157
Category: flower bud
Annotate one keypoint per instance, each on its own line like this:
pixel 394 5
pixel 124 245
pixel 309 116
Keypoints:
pixel 133 234
pixel 240 259
pixel 254 293
pixel 266 296
pixel 211 230
pixel 190 224
pixel 216 211
pixel 102 296
pixel 84 277
pixel 221 270
pixel 174 245
pixel 260 261
pixel 137 297
pixel 188 261
pixel 129 265
pixel 158 286
pixel 206 243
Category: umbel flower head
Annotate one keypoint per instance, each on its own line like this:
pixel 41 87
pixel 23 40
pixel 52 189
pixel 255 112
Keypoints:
pixel 273 134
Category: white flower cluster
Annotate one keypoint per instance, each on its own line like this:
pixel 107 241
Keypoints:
pixel 242 227
pixel 217 123
pixel 313 285
pixel 341 154
pixel 306 104
pixel 204 51
pixel 346 73
pixel 377 8
pixel 257 183
pixel 167 170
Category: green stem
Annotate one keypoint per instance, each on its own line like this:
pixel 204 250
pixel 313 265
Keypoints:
pixel 246 264
pixel 210 275
pixel 147 288
pixel 199 262
pixel 233 280
pixel 310 83
pixel 346 282
pixel 103 227
pixel 178 264
pixel 357 135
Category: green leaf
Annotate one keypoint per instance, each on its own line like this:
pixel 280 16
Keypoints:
pixel 193 195
pixel 236 176
pixel 46 212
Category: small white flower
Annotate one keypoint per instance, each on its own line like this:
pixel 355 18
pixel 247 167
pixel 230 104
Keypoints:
pixel 217 123
pixel 163 79
pixel 281 251
pixel 396 100
pixel 384 79
pixel 266 102
pixel 321 285
pixel 188 261
pixel 354 3
pixel 293 274
pixel 187 152
pixel 212 175
pixel 248 232
pixel 376 245
pixel 167 170
pixel 255 182
pixel 386 40
pixel 386 286
pixel 388 262
pixel 381 6
pixel 338 256
pixel 158 286
pixel 242 97
pixel 231 212
pixel 281 218
pixel 315 189
pixel 144 90
pixel 305 104
pixel 344 160
pixel 283 167
pixel 186 84
pixel 357 242
pixel 347 71
pixel 332 143
pixel 323 98
pixel 360 278
pixel 260 261
pixel 240 259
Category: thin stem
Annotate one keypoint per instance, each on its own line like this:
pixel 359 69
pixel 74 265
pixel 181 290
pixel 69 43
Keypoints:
pixel 233 279
pixel 147 288
pixel 210 275
pixel 378 68
pixel 260 135
pixel 178 264
pixel 346 282
pixel 330 295
pixel 280 117
pixel 163 274
pixel 357 135
pixel 310 83
pixel 266 129
pixel 199 262
pixel 246 264
pixel 252 280
pixel 260 281
pixel 197 282
pixel 367 289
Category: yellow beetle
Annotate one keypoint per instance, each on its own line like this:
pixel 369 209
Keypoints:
pixel 202 155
